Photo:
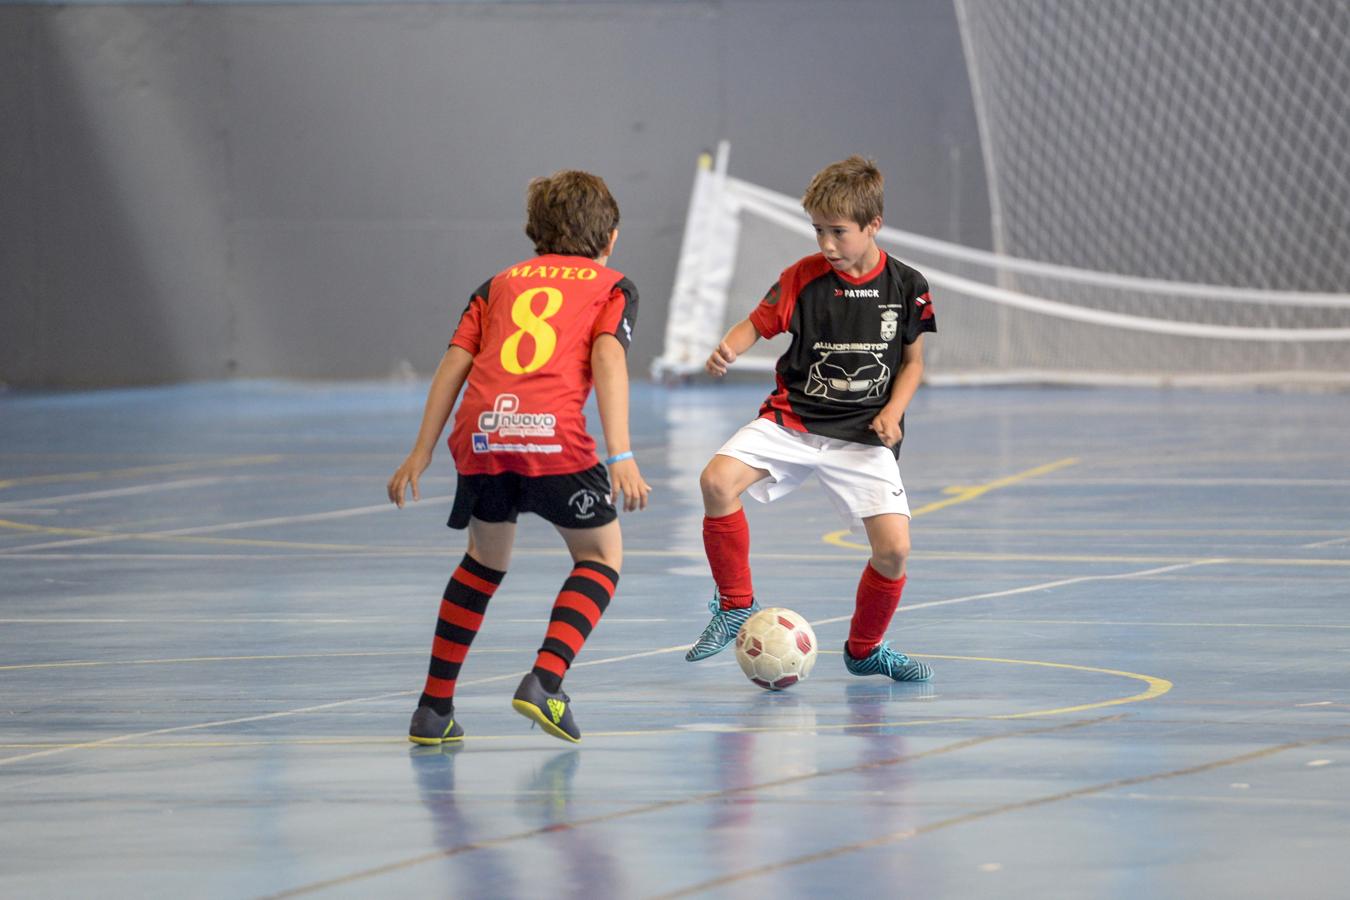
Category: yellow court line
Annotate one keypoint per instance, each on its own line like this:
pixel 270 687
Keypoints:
pixel 1156 687
pixel 174 538
pixel 963 494
pixel 143 470
pixel 93 663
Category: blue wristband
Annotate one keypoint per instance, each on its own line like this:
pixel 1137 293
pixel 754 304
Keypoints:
pixel 619 457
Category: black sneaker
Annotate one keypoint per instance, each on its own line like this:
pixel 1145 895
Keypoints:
pixel 429 727
pixel 553 712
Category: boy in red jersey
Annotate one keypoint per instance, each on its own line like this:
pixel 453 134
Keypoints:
pixel 528 344
pixel 857 319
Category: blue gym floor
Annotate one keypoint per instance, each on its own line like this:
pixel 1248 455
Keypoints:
pixel 213 630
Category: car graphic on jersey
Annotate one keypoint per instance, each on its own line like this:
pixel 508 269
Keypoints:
pixel 848 376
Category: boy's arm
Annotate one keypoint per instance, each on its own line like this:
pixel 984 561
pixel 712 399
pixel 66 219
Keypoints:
pixel 886 424
pixel 445 386
pixel 609 366
pixel 739 339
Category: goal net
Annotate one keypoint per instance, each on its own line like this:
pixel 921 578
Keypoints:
pixel 1170 194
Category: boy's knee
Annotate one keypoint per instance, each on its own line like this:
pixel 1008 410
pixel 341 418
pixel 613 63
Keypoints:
pixel 717 487
pixel 889 558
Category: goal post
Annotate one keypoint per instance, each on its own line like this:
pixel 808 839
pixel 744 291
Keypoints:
pixel 1002 318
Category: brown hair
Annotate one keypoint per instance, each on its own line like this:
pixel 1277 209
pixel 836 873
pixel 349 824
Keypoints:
pixel 849 189
pixel 570 213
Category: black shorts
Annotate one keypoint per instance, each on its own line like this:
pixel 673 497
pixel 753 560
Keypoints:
pixel 577 500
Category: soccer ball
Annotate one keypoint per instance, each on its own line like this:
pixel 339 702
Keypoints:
pixel 776 648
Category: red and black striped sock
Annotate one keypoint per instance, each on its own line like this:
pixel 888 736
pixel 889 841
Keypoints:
pixel 580 604
pixel 462 606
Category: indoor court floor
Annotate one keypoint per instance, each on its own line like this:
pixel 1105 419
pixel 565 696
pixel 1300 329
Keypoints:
pixel 214 627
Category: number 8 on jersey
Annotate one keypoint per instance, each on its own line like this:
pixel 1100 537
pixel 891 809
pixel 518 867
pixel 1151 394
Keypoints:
pixel 536 326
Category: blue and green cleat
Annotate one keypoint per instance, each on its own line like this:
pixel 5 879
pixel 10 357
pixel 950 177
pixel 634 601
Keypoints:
pixel 891 663
pixel 721 630
pixel 429 727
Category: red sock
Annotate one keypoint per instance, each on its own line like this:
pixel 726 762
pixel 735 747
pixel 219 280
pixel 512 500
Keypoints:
pixel 580 604
pixel 878 596
pixel 726 540
pixel 462 606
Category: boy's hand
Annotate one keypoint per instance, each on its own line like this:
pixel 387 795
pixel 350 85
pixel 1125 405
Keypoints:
pixel 408 474
pixel 720 359
pixel 886 426
pixel 625 479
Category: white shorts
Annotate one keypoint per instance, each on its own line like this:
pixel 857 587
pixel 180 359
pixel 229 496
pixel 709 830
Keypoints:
pixel 861 480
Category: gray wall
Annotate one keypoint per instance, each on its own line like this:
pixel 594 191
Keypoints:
pixel 197 192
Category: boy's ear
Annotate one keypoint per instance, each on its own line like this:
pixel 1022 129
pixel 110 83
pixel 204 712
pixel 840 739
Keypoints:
pixel 613 239
pixel 874 226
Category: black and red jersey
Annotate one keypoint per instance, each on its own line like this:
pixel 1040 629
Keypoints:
pixel 848 334
pixel 530 329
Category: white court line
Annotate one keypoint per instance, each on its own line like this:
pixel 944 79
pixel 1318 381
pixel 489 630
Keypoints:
pixel 119 492
pixel 118 739
pixel 245 620
pixel 284 552
pixel 1044 586
pixel 1148 624
pixel 1331 543
pixel 212 529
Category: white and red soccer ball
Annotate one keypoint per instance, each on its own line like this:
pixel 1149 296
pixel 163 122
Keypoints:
pixel 776 648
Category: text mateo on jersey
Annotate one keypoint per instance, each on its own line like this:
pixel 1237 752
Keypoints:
pixel 559 273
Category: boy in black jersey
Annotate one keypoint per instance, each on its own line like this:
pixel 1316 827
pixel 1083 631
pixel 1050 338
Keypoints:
pixel 857 319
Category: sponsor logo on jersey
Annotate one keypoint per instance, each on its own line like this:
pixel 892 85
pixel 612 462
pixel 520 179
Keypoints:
pixel 856 345
pixel 848 377
pixel 504 420
pixel 482 445
pixel 858 292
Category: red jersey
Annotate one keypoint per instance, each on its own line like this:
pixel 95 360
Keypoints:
pixel 530 330
pixel 848 337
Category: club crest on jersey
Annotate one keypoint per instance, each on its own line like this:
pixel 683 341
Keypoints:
pixel 504 420
pixel 848 376
pixel 889 324
pixel 586 502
